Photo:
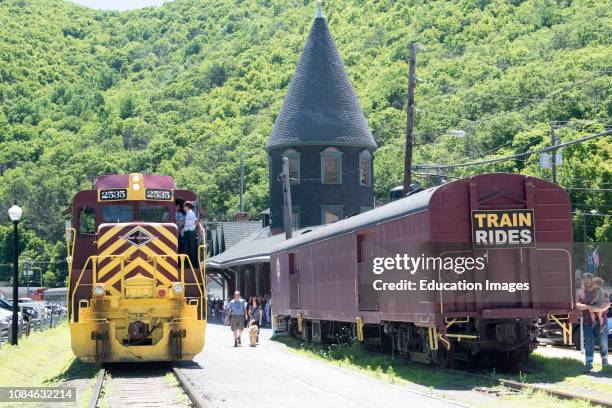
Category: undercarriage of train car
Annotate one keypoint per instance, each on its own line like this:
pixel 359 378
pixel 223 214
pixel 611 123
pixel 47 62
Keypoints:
pixel 506 342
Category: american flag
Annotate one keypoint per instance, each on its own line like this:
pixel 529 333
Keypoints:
pixel 595 256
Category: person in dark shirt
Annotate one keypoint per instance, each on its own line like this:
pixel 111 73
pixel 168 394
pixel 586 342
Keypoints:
pixel 591 329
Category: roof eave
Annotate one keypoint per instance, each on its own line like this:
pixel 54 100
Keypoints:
pixel 269 147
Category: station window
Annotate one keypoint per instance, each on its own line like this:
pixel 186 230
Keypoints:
pixel 365 168
pixel 295 217
pixel 87 221
pixel 294 165
pixel 331 166
pixel 154 213
pixel 118 213
pixel 331 213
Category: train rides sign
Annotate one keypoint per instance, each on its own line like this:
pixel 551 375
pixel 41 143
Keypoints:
pixel 503 228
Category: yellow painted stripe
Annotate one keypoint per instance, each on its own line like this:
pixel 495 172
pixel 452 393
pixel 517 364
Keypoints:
pixel 115 261
pixel 109 234
pixel 166 250
pixel 112 248
pixel 161 262
pixel 138 262
pixel 166 233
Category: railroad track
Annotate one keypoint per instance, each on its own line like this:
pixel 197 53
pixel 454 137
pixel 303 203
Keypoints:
pixel 144 386
pixel 518 386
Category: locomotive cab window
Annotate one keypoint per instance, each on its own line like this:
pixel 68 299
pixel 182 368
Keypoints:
pixel 87 221
pixel 154 213
pixel 117 213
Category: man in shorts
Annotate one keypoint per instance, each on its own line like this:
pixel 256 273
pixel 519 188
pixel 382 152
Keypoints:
pixel 237 314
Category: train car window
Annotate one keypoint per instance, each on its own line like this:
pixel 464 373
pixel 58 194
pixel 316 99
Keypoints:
pixel 154 213
pixel 118 213
pixel 87 221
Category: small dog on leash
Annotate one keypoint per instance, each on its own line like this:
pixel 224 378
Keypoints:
pixel 253 332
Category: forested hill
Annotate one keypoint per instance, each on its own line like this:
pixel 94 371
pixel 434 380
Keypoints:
pixel 177 89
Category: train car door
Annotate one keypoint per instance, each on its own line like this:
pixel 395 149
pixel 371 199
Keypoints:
pixel 294 281
pixel 366 252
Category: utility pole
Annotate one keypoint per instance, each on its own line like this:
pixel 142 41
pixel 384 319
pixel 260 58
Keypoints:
pixel 241 183
pixel 284 178
pixel 586 245
pixel 410 120
pixel 553 142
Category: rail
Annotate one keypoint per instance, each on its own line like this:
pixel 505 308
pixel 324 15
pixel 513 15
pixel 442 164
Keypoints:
pixel 132 392
pixel 182 259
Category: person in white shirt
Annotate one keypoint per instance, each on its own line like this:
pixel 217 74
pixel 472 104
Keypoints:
pixel 190 233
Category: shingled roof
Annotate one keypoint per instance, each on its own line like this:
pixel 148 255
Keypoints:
pixel 320 106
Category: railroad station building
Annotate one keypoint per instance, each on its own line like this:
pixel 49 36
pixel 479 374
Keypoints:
pixel 323 132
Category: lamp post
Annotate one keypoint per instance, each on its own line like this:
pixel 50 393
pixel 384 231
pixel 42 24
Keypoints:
pixel 15 215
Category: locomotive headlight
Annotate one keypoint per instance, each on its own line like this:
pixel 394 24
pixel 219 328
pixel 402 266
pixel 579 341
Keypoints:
pixel 99 290
pixel 178 288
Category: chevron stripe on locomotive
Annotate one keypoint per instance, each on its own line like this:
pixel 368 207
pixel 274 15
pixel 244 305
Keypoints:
pixel 132 296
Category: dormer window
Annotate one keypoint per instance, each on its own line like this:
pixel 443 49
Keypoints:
pixel 331 166
pixel 294 165
pixel 365 168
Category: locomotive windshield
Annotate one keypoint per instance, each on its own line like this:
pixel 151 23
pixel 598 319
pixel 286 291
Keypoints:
pixel 117 213
pixel 154 213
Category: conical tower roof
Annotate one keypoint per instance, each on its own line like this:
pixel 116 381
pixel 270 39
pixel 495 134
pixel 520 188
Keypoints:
pixel 321 106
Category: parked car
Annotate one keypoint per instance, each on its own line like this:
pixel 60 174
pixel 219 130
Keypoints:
pixel 29 311
pixel 39 307
pixel 6 318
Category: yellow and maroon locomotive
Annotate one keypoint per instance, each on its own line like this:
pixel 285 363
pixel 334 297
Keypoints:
pixel 132 296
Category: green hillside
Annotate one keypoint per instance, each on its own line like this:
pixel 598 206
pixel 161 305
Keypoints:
pixel 182 88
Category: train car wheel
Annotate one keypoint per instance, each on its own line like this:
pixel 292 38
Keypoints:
pixel 443 357
pixel 510 360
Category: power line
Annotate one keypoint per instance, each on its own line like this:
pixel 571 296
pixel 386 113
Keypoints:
pixel 535 101
pixel 515 156
pixel 597 190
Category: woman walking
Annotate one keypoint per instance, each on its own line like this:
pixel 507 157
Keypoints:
pixel 255 315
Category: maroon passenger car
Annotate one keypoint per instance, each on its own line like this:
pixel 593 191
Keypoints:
pixel 516 229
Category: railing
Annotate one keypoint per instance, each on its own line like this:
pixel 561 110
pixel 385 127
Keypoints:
pixel 181 258
pixel 94 259
pixel 35 325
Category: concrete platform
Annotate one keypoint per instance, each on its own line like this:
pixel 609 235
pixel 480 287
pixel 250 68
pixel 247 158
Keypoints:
pixel 270 376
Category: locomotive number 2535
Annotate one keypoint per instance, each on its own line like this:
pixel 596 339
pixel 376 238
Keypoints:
pixel 159 194
pixel 111 195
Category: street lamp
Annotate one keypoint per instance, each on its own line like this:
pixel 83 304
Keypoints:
pixel 14 214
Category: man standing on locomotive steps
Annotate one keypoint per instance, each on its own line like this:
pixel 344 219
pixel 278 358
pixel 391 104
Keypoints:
pixel 592 331
pixel 189 233
pixel 237 314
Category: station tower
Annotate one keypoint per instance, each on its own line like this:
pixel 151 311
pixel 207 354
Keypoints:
pixel 323 132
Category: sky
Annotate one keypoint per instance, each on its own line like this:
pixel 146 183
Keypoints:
pixel 119 4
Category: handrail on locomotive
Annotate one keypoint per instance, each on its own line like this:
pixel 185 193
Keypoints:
pixel 201 253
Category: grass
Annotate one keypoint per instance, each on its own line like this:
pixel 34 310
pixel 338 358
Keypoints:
pixel 567 374
pixel 449 384
pixel 43 360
